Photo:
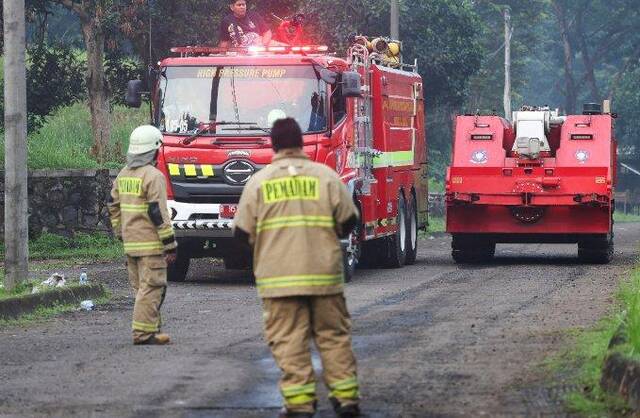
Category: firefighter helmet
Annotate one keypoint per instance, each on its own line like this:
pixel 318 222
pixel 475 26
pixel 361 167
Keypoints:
pixel 143 139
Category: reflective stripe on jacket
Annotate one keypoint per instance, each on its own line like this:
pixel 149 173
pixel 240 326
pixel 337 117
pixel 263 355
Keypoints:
pixel 292 210
pixel 139 213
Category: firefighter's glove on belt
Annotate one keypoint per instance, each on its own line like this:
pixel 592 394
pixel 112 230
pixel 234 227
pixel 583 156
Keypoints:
pixel 154 214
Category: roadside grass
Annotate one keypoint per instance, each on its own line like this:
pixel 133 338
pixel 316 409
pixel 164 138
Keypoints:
pixel 44 313
pixel 82 247
pixel 582 360
pixel 625 218
pixel 26 287
pixel 22 288
pixel 436 224
pixel 65 140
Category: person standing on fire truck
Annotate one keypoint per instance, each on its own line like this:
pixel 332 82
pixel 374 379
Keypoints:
pixel 243 28
pixel 140 218
pixel 292 213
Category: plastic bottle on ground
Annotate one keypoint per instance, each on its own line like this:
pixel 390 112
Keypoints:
pixel 83 277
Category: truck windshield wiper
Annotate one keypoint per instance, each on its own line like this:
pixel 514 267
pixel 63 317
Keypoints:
pixel 249 128
pixel 208 126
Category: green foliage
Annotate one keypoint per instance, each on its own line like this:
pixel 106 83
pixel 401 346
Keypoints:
pixel 436 185
pixel 436 224
pixel 627 104
pixel 65 138
pixel 120 69
pixel 624 218
pixel 96 246
pixel 630 296
pixel 83 247
pixel 21 288
pixel 487 85
pixel 55 78
pixel 583 360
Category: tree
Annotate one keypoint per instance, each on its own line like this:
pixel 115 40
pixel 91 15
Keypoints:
pixel 600 41
pixel 96 19
pixel 486 86
pixel 54 79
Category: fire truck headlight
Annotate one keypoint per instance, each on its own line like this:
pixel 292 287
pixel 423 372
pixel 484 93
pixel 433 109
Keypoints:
pixel 582 155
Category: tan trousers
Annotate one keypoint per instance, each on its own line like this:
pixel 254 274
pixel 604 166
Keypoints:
pixel 290 323
pixel 148 277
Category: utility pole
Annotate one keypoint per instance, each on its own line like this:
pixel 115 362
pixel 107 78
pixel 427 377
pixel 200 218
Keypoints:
pixel 395 19
pixel 15 145
pixel 508 32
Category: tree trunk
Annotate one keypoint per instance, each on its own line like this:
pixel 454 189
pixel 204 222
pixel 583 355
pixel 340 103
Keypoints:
pixel 97 86
pixel 570 87
pixel 586 56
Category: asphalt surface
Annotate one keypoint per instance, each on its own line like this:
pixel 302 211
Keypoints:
pixel 432 340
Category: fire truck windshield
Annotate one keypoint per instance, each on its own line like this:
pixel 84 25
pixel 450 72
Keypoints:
pixel 243 100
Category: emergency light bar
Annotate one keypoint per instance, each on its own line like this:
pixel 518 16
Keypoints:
pixel 281 49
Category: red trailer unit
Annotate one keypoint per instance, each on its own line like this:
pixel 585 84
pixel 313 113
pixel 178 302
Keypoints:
pixel 362 115
pixel 543 179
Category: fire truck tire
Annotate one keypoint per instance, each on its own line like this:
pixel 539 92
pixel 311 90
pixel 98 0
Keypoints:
pixel 412 231
pixel 352 254
pixel 395 246
pixel 466 250
pixel 599 251
pixel 348 267
pixel 177 271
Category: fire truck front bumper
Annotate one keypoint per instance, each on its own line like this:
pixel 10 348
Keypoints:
pixel 199 220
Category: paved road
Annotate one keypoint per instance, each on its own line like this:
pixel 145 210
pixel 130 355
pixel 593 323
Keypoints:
pixel 432 340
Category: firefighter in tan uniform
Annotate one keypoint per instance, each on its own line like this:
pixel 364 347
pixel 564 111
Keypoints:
pixel 292 214
pixel 139 216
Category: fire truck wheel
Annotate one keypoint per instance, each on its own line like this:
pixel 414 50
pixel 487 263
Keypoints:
pixel 395 246
pixel 412 231
pixel 351 254
pixel 467 250
pixel 597 251
pixel 177 271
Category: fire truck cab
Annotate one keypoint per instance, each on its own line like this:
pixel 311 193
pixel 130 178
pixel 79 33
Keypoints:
pixel 362 115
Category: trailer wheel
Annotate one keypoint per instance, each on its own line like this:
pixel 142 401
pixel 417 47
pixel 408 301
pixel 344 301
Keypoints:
pixel 597 251
pixel 468 250
pixel 177 271
pixel 412 231
pixel 395 246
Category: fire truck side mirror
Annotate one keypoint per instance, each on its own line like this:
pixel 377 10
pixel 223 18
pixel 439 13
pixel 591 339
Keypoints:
pixel 351 85
pixel 134 93
pixel 327 76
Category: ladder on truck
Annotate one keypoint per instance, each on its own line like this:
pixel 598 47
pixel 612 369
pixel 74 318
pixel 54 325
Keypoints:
pixel 361 60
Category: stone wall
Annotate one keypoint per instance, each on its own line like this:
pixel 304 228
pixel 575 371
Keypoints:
pixel 66 201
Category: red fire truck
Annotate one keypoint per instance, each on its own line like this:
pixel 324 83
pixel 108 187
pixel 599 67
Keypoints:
pixel 544 178
pixel 362 115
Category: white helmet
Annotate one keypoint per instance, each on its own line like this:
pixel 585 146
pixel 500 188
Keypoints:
pixel 143 139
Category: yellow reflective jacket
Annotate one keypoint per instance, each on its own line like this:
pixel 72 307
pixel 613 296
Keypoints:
pixel 292 211
pixel 139 213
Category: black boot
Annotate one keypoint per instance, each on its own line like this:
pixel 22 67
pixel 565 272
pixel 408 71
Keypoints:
pixel 345 411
